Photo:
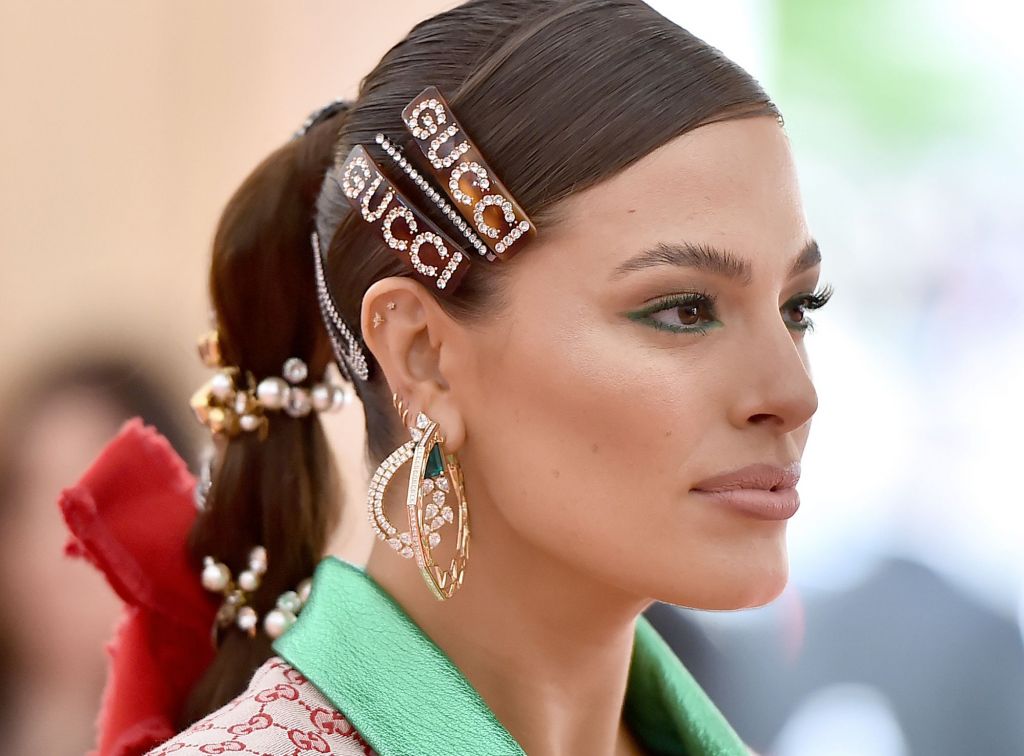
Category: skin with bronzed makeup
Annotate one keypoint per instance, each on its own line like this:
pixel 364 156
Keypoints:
pixel 653 337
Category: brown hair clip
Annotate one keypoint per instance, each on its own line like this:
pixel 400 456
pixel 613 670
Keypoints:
pixel 461 170
pixel 480 202
pixel 433 256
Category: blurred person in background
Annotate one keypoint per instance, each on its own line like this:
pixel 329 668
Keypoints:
pixel 630 398
pixel 57 612
pixel 903 662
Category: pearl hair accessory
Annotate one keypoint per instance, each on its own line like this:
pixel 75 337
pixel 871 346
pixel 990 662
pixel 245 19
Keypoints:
pixel 228 408
pixel 235 608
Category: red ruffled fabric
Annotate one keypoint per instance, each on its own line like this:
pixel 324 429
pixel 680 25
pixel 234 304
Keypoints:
pixel 129 515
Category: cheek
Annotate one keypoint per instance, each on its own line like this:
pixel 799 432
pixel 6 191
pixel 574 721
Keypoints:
pixel 585 437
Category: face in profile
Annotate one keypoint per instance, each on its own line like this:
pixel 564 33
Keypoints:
pixel 654 338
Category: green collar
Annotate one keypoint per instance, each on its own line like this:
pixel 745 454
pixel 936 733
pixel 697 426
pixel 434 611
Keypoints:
pixel 405 696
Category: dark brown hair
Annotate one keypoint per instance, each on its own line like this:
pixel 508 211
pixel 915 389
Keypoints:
pixel 559 95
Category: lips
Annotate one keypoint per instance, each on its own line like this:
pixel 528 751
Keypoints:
pixel 756 502
pixel 766 477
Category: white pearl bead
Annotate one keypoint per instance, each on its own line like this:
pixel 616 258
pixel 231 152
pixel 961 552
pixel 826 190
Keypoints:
pixel 215 576
pixel 303 590
pixel 248 581
pixel 258 559
pixel 321 397
pixel 277 621
pixel 289 601
pixel 221 385
pixel 298 403
pixel 272 392
pixel 249 422
pixel 295 370
pixel 339 397
pixel 246 619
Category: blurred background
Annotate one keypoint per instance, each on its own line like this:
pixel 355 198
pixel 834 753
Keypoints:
pixel 126 126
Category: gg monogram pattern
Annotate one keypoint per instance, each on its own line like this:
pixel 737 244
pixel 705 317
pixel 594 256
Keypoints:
pixel 281 713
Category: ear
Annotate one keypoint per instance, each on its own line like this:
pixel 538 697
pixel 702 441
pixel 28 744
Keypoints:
pixel 411 341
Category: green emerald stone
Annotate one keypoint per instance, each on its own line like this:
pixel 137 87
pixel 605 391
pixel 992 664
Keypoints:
pixel 434 464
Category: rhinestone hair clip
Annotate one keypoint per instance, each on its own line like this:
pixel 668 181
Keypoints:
pixel 484 202
pixel 471 197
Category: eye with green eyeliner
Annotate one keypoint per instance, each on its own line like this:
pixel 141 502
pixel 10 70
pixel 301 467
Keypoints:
pixel 689 309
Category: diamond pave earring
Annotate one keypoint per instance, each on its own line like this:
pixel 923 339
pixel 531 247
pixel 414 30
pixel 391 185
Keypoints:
pixel 435 479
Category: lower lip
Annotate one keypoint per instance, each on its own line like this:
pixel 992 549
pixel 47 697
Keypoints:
pixel 757 502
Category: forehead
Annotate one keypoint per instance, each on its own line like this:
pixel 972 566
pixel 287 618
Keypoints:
pixel 730 184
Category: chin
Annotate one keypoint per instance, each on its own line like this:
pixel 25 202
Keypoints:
pixel 746 590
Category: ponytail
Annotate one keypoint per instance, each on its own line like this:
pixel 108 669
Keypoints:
pixel 282 492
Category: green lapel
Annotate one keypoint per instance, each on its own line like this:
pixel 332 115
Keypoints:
pixel 407 698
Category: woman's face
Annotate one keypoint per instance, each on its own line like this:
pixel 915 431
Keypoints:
pixel 598 399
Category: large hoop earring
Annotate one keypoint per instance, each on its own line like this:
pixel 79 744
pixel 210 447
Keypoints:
pixel 435 476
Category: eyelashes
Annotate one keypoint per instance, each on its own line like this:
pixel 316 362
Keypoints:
pixel 813 301
pixel 693 304
pixel 691 301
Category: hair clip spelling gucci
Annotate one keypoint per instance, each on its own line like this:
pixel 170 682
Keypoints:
pixel 484 201
pixel 481 208
pixel 380 203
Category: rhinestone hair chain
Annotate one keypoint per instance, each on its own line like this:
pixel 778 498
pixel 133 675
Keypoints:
pixel 353 360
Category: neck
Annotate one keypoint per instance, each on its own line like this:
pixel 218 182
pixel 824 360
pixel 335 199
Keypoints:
pixel 547 648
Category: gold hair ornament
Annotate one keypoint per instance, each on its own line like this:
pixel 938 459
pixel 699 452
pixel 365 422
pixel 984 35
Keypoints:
pixel 232 402
pixel 235 608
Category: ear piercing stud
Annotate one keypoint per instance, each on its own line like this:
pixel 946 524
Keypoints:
pixel 378 318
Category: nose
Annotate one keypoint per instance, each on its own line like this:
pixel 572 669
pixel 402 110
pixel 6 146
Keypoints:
pixel 774 387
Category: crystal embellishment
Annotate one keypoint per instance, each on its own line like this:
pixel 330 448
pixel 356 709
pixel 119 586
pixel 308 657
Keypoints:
pixel 295 370
pixel 402 227
pixel 434 464
pixel 430 477
pixel 434 196
pixel 503 232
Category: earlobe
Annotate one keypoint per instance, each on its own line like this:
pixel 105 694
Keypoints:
pixel 405 330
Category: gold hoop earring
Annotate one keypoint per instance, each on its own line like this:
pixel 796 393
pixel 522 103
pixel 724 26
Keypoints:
pixel 435 476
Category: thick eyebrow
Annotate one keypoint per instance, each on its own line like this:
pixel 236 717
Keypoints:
pixel 711 260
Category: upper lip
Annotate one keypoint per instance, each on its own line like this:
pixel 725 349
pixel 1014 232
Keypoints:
pixel 760 475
